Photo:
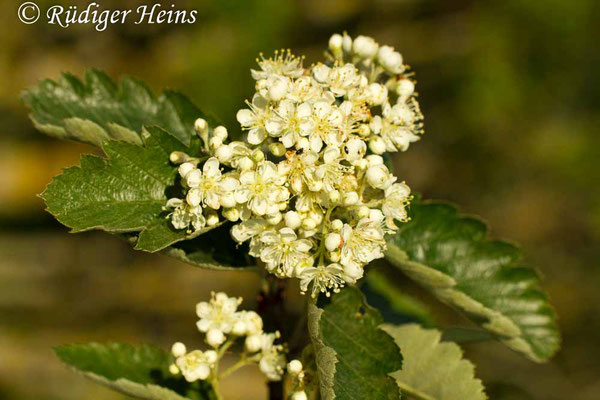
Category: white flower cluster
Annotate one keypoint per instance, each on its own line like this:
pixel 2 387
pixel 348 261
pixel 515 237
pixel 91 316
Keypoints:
pixel 223 325
pixel 310 188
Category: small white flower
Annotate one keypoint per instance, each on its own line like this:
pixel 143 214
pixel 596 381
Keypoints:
pixel 217 314
pixel 194 366
pixel 283 63
pixel 274 88
pixel 394 203
pixel 282 251
pixel 324 279
pixel 255 118
pixel 272 361
pixel 248 323
pixel 342 79
pixel 262 189
pixel 211 187
pixel 291 121
pixel 363 243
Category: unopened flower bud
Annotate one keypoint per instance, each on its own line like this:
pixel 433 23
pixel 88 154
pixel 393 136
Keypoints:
pixel 178 349
pixel 300 395
pixel 274 219
pixel 212 219
pixel 211 356
pixel 374 160
pixel 245 163
pixel 224 153
pixel 335 45
pixel 178 157
pixel 377 94
pixel 239 328
pixel 334 256
pixel 346 43
pixel 365 47
pixel 363 212
pixel 390 60
pixel 215 337
pixel 334 196
pixel 333 241
pixel 309 224
pixel 220 132
pixel 292 219
pixel 258 156
pixel 215 142
pixel 335 42
pixel 173 369
pixel 277 149
pixel 377 175
pixel 231 214
pixel 253 343
pixel 200 125
pixel 350 198
pixel 377 145
pixel 337 224
pixel 364 130
pixel 405 88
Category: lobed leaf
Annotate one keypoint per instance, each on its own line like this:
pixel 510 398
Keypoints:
pixel 432 370
pixel 140 372
pixel 452 256
pixel 354 357
pixel 97 110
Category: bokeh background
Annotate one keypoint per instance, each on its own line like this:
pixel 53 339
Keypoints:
pixel 510 90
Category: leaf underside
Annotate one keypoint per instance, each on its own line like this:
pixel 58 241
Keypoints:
pixel 452 256
pixel 140 371
pixel 433 370
pixel 354 357
pixel 96 110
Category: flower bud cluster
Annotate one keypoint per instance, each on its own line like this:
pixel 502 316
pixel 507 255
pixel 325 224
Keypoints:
pixel 223 325
pixel 309 187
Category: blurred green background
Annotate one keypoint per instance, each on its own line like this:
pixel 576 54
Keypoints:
pixel 509 90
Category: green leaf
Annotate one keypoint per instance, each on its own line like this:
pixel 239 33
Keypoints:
pixel 122 193
pixel 432 370
pixel 98 110
pixel 140 372
pixel 214 251
pixel 396 302
pixel 452 256
pixel 354 357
